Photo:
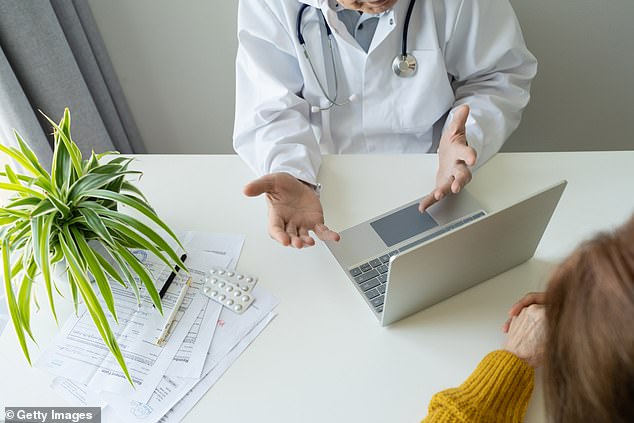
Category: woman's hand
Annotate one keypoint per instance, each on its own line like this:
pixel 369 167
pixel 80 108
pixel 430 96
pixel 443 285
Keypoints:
pixel 526 335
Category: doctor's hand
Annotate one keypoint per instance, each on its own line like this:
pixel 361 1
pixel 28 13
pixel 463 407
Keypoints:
pixel 294 210
pixel 454 159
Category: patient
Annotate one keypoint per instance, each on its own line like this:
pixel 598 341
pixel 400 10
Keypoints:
pixel 581 329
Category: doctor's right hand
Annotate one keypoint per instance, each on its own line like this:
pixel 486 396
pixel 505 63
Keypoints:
pixel 455 159
pixel 294 210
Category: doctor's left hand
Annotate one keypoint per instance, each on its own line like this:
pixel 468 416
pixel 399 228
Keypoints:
pixel 294 210
pixel 455 158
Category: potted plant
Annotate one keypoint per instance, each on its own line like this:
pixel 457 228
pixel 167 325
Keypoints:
pixel 72 217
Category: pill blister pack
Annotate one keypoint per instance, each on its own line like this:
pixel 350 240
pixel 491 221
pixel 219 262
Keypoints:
pixel 230 288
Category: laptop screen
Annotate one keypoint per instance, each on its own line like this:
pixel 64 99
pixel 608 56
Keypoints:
pixel 403 224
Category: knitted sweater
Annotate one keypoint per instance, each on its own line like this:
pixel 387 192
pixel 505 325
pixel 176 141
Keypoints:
pixel 497 391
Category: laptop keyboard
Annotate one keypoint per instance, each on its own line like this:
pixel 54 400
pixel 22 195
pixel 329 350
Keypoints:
pixel 372 275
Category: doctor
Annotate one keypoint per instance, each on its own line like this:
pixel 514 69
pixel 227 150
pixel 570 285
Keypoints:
pixel 356 76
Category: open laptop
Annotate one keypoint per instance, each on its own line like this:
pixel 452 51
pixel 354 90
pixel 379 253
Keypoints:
pixel 403 261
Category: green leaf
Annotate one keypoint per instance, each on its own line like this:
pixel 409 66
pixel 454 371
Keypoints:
pixel 96 270
pixel 14 212
pixel 127 186
pixel 106 153
pixel 42 242
pixel 21 189
pixel 23 178
pixel 59 205
pixel 11 176
pixel 135 204
pixel 91 163
pixel 14 311
pixel 126 272
pixel 71 148
pixel 110 270
pixel 24 298
pixel 27 201
pixel 144 275
pixel 73 292
pixel 45 206
pixel 30 156
pixel 145 230
pixel 6 220
pixel 95 224
pixel 16 155
pixel 92 303
pixel 90 182
pixel 62 168
pixel 142 243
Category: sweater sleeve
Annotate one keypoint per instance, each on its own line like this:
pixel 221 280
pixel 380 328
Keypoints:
pixel 497 391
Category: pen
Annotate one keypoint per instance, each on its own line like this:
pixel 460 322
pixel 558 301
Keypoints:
pixel 170 323
pixel 171 277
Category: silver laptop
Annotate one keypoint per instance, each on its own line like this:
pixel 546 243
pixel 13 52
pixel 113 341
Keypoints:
pixel 403 261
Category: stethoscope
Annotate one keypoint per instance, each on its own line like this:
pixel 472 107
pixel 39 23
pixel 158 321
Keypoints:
pixel 403 65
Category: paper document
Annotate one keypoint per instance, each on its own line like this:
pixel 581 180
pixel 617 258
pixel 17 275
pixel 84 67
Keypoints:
pixel 233 330
pixel 190 358
pixel 170 380
pixel 80 354
pixel 180 410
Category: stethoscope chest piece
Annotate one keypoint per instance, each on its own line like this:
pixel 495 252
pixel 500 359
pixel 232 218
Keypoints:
pixel 404 65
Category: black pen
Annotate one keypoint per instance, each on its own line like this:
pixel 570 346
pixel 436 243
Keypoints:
pixel 171 277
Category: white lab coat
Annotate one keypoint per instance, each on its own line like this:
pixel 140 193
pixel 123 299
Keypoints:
pixel 468 51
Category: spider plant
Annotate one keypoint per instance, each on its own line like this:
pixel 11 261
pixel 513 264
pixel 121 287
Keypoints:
pixel 71 217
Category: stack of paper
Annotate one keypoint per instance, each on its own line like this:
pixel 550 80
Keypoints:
pixel 168 380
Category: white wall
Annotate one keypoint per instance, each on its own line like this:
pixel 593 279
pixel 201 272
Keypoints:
pixel 175 61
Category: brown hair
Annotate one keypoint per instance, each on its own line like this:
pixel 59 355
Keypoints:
pixel 589 355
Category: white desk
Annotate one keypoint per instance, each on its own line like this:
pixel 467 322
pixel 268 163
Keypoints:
pixel 325 358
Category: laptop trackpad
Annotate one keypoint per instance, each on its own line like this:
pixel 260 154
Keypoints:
pixel 403 224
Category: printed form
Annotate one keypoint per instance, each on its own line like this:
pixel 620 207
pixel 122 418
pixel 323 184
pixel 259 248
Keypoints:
pixel 79 354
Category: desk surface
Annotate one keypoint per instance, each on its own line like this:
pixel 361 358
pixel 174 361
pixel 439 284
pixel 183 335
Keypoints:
pixel 325 358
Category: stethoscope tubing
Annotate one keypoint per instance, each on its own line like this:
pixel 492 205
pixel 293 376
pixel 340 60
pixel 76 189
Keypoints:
pixel 333 101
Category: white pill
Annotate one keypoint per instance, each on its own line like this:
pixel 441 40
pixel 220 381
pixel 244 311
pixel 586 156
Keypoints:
pixel 240 277
pixel 230 274
pixel 214 293
pixel 229 302
pixel 206 290
pixel 221 284
pixel 244 288
pixel 237 307
pixel 249 280
pixel 236 293
pixel 221 297
pixel 229 288
pixel 245 298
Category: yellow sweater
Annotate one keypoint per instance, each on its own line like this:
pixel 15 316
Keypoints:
pixel 497 391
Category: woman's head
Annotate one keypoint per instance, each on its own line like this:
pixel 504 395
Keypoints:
pixel 589 357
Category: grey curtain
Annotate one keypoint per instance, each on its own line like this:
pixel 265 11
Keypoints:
pixel 51 57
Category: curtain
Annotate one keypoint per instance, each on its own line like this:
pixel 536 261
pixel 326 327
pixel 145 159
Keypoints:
pixel 51 57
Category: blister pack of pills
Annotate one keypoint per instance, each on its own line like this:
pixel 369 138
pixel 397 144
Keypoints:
pixel 230 288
